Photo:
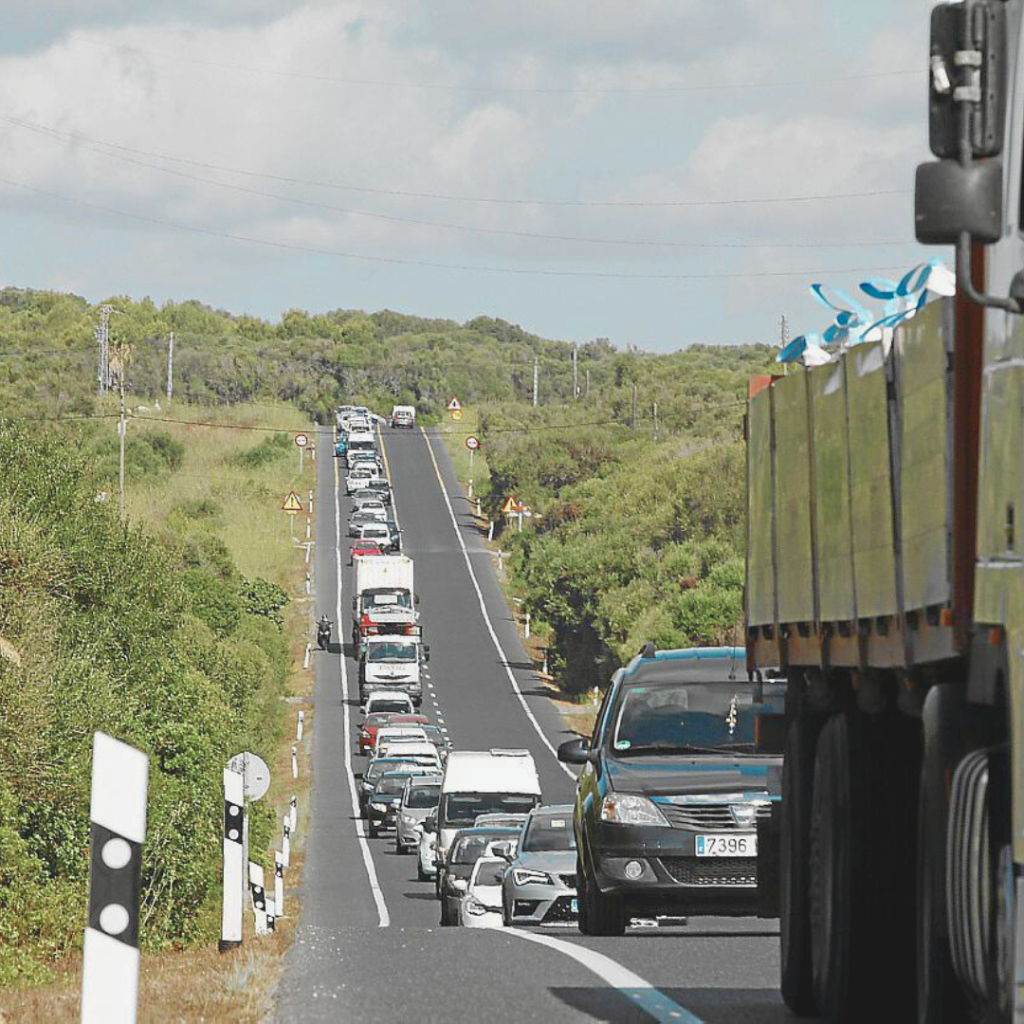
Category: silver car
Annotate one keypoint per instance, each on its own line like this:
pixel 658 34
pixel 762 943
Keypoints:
pixel 540 885
pixel 419 798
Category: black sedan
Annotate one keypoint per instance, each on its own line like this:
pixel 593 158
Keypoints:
pixel 674 781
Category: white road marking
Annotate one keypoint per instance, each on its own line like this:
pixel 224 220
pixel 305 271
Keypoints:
pixel 483 609
pixel 651 1000
pixel 383 917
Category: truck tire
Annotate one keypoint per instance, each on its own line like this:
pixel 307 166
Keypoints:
pixel 837 870
pixel 794 889
pixel 599 914
pixel 940 999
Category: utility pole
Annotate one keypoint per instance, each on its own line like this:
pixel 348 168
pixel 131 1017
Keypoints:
pixel 536 379
pixel 170 366
pixel 102 334
pixel 634 408
pixel 783 331
pixel 575 373
pixel 588 384
pixel 121 426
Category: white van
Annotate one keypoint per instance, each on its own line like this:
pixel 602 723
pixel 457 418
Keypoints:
pixel 403 416
pixel 484 782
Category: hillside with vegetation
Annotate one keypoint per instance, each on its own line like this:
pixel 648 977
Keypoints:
pixel 167 631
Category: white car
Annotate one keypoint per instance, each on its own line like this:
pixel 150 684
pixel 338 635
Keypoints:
pixel 358 477
pixel 375 508
pixel 387 733
pixel 396 701
pixel 481 906
pixel 423 753
pixel 426 851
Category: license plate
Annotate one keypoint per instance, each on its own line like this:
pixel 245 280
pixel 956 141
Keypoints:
pixel 574 906
pixel 726 845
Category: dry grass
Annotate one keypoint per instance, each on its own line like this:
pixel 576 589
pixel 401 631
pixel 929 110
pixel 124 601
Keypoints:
pixel 201 984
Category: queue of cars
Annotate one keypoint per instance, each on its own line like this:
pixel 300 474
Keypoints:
pixel 673 802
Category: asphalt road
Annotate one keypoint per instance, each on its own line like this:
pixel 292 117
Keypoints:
pixel 368 945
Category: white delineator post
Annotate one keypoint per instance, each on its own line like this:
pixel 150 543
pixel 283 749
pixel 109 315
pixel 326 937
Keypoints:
pixel 234 861
pixel 110 968
pixel 299 724
pixel 293 813
pixel 295 762
pixel 278 884
pixel 286 844
pixel 259 897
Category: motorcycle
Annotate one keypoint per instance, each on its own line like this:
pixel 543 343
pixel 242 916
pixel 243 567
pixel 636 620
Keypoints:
pixel 323 634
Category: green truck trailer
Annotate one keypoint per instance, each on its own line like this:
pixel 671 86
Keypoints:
pixel 885 574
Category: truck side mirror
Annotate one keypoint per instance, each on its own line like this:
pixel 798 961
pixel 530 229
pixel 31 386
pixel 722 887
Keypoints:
pixel 967 76
pixel 430 825
pixel 574 751
pixel 950 199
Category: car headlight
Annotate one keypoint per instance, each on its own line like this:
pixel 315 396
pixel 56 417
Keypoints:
pixel 408 819
pixel 523 876
pixel 459 884
pixel 379 807
pixel 475 907
pixel 631 809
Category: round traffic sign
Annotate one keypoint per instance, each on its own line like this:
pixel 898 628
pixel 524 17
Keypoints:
pixel 456 415
pixel 472 443
pixel 254 771
pixel 301 440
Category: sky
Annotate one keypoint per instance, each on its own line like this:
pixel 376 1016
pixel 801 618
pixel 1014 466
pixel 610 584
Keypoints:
pixel 658 173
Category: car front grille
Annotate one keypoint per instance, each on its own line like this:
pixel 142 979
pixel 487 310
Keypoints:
pixel 709 872
pixel 525 908
pixel 707 817
pixel 560 910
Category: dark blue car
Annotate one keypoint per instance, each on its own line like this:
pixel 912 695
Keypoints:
pixel 674 781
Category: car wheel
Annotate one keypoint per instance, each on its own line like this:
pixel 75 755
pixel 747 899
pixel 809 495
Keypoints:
pixel 446 918
pixel 600 914
pixel 374 831
pixel 420 873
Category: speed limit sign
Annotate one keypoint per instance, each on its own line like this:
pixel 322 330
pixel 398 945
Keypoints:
pixel 301 440
pixel 472 443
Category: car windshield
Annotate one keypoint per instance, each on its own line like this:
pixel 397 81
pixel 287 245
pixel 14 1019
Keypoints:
pixel 423 797
pixel 546 833
pixel 401 599
pixel 433 734
pixel 389 706
pixel 392 652
pixel 470 849
pixel 491 873
pixel 390 786
pixel 374 771
pixel 692 717
pixel 463 808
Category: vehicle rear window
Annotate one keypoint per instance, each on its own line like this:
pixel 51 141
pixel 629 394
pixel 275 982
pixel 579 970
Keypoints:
pixel 389 706
pixel 391 787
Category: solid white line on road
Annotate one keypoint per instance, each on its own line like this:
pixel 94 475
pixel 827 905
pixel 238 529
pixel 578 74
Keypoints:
pixel 640 992
pixel 383 917
pixel 487 619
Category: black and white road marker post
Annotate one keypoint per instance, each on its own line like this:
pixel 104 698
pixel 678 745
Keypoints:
pixel 278 884
pixel 286 844
pixel 110 968
pixel 234 860
pixel 259 897
pixel 293 814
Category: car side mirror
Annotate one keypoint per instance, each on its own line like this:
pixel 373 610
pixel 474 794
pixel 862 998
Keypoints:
pixel 430 825
pixel 950 199
pixel 426 653
pixel 574 751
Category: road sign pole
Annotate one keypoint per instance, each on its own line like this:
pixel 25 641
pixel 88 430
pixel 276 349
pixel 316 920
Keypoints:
pixel 301 450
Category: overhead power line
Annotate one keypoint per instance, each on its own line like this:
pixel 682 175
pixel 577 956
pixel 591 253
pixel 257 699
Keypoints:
pixel 96 146
pixel 490 200
pixel 408 262
pixel 524 90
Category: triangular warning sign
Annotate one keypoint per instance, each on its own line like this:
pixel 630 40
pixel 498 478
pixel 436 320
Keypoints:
pixel 454 405
pixel 511 505
pixel 292 503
